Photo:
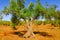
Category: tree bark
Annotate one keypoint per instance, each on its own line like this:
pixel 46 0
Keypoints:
pixel 30 31
pixel 28 27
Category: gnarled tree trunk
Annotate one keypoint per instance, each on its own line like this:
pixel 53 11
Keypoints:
pixel 30 31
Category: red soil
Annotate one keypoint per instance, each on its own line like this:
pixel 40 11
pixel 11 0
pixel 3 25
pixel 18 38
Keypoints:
pixel 46 32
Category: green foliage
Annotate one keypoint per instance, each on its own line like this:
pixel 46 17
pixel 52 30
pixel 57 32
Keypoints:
pixel 46 22
pixel 14 19
pixel 7 23
pixel 37 22
pixel 39 10
pixel 55 23
pixel 26 14
pixel 21 4
pixel 21 23
pixel 30 7
pixel 1 16
pixel 18 10
pixel 14 8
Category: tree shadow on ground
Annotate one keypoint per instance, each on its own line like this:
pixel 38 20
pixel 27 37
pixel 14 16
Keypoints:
pixel 45 34
pixel 19 34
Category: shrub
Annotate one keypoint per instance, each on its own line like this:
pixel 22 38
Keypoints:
pixel 55 23
pixel 38 22
pixel 21 23
pixel 46 22
pixel 7 23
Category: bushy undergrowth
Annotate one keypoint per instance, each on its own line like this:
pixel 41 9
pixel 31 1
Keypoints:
pixel 46 22
pixel 37 22
pixel 7 23
pixel 21 23
pixel 54 23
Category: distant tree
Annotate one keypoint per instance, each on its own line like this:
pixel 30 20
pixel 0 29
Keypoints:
pixel 57 18
pixel 1 18
pixel 50 12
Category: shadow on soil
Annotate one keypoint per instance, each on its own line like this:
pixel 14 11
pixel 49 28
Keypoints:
pixel 40 33
pixel 43 34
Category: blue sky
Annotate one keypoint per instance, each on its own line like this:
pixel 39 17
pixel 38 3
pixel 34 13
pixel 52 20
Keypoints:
pixel 43 2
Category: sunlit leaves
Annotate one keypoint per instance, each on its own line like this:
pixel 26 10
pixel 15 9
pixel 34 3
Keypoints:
pixel 31 6
pixel 6 11
pixel 57 14
pixel 26 14
pixel 39 9
pixel 21 3
pixel 14 19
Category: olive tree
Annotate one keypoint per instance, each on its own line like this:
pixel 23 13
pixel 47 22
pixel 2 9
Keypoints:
pixel 30 14
pixel 18 10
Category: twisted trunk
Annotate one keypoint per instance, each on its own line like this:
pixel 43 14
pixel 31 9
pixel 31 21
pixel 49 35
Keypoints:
pixel 30 31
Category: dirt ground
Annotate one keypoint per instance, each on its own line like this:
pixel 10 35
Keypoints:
pixel 42 32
